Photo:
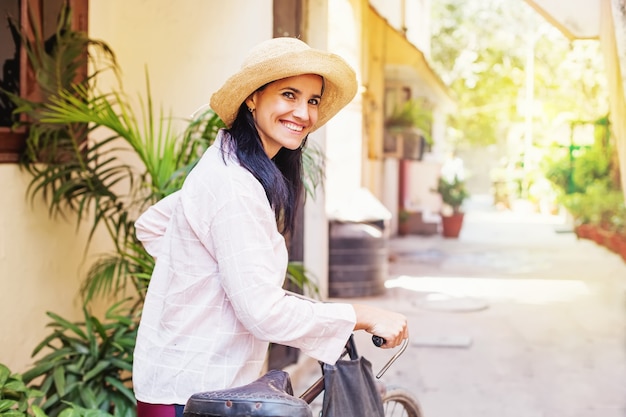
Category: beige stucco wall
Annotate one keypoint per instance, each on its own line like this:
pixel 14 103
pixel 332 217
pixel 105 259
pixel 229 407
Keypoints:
pixel 41 260
pixel 189 47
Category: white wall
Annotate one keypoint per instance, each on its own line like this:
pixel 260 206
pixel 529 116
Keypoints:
pixel 391 190
pixel 345 131
pixel 391 10
pixel 334 26
pixel 423 177
pixel 418 24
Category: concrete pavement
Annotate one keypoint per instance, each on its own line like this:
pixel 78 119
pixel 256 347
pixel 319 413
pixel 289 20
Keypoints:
pixel 515 318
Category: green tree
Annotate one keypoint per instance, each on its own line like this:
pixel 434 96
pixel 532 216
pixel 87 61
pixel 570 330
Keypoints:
pixel 481 51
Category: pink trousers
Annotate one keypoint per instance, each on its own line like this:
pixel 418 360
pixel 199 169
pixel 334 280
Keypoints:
pixel 159 410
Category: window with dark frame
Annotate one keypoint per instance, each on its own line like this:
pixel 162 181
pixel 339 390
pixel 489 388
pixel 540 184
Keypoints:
pixel 16 76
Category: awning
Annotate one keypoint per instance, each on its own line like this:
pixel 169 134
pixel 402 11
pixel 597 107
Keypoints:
pixel 576 19
pixel 405 61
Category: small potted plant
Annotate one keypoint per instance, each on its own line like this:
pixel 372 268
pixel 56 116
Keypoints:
pixel 453 193
pixel 403 222
pixel 411 123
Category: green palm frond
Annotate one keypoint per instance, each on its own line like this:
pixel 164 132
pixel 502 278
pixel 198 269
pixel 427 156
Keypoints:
pixel 112 273
pixel 303 279
pixel 313 168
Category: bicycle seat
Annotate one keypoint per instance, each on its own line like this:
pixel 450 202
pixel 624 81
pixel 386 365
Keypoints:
pixel 269 396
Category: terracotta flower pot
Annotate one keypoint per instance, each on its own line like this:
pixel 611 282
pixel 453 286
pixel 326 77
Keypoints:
pixel 621 246
pixel 595 235
pixel 613 242
pixel 452 225
pixel 605 238
pixel 583 231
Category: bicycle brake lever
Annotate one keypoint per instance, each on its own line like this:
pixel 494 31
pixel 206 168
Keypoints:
pixel 403 347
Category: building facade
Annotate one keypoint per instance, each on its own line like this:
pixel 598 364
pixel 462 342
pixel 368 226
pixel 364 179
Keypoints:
pixel 189 48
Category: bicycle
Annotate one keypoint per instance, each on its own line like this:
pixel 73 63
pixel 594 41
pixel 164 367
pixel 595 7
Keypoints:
pixel 272 395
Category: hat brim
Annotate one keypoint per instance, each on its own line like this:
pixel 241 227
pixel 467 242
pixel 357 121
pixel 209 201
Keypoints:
pixel 340 84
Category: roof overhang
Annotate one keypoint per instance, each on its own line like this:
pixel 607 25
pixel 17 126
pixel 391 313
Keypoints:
pixel 405 62
pixel 576 19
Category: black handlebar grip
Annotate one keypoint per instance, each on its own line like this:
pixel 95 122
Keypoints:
pixel 378 341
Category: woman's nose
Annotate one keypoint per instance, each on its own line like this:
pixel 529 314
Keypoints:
pixel 301 110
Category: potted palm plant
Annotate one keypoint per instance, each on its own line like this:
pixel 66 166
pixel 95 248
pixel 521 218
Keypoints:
pixel 453 193
pixel 403 222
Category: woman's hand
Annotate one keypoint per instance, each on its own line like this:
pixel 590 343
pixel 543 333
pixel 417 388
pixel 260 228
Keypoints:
pixel 389 325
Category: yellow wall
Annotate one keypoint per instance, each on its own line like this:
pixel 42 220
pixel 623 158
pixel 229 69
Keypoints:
pixel 386 46
pixel 376 58
pixel 387 49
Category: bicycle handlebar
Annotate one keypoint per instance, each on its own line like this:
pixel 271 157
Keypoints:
pixel 377 340
pixel 403 347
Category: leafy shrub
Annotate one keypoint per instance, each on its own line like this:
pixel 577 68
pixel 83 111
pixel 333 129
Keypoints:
pixel 88 366
pixel 453 193
pixel 558 170
pixel 16 396
pixel 586 181
pixel 591 167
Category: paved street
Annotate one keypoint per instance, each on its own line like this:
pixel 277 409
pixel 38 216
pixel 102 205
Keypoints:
pixel 515 318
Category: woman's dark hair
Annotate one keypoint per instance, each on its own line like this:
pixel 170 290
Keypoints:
pixel 281 177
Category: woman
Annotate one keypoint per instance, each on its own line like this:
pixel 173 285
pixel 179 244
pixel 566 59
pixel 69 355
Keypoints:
pixel 215 299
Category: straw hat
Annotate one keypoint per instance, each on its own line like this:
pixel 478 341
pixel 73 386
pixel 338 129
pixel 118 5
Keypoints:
pixel 280 58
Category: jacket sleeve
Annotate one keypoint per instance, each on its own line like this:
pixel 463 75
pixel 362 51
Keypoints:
pixel 151 226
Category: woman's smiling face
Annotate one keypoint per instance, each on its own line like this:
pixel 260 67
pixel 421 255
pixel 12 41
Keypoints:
pixel 285 110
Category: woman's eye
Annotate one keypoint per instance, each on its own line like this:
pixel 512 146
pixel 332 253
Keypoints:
pixel 314 101
pixel 289 94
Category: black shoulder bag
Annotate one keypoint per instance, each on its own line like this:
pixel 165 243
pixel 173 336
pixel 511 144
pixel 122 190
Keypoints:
pixel 350 388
